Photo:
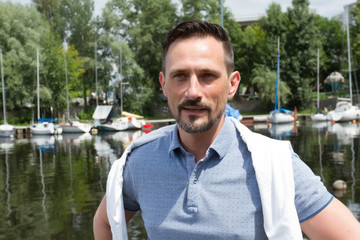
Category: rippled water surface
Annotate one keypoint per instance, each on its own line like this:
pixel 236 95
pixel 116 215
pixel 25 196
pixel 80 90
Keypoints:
pixel 51 186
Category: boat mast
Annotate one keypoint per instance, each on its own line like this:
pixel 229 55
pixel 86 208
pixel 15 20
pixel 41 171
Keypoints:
pixel 277 95
pixel 121 80
pixel 96 77
pixel 66 79
pixel 222 13
pixel 348 45
pixel 38 83
pixel 3 86
pixel 317 80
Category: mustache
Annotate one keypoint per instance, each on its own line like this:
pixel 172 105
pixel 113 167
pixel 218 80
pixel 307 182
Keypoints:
pixel 193 103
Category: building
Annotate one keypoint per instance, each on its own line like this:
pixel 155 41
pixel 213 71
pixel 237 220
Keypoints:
pixel 248 20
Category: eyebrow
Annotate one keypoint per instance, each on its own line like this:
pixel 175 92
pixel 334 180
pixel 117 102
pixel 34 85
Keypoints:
pixel 182 70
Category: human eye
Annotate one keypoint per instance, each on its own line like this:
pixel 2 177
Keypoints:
pixel 208 76
pixel 179 76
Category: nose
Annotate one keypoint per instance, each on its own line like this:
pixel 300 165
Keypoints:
pixel 193 90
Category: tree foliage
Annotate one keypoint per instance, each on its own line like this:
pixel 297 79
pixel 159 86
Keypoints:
pixel 355 38
pixel 265 79
pixel 333 39
pixel 139 27
pixel 22 31
pixel 299 38
pixel 143 25
pixel 303 40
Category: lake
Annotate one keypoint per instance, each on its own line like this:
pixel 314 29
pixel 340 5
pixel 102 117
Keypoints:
pixel 50 186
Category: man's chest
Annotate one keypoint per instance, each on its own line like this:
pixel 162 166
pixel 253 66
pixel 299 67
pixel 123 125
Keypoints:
pixel 218 197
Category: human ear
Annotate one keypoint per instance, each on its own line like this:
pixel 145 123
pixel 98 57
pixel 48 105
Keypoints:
pixel 234 81
pixel 162 83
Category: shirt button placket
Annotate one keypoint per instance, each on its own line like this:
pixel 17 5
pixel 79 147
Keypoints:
pixel 193 192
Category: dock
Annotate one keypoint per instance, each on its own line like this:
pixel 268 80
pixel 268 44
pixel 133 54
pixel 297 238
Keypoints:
pixel 247 120
pixel 22 131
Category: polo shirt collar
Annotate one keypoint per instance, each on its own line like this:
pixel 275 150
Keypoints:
pixel 175 141
pixel 220 145
pixel 224 138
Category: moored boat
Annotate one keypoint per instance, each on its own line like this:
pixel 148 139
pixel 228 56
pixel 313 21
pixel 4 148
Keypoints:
pixel 72 126
pixel 44 126
pixel 344 111
pixel 122 123
pixel 6 130
pixel 318 116
pixel 279 115
pixel 75 127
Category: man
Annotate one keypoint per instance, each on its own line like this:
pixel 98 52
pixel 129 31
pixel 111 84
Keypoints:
pixel 208 176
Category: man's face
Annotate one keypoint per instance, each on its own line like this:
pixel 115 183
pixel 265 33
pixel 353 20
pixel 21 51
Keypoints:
pixel 196 83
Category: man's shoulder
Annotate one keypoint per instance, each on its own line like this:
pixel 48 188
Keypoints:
pixel 155 140
pixel 253 139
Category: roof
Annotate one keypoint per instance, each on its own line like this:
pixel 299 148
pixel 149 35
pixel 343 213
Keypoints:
pixel 104 112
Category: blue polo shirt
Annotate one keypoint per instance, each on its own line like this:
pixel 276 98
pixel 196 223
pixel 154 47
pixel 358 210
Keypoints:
pixel 217 198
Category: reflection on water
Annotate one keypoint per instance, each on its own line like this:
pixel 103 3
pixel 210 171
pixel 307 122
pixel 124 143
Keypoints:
pixel 52 185
pixel 280 131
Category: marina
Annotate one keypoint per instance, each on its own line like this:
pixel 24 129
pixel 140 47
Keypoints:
pixel 53 184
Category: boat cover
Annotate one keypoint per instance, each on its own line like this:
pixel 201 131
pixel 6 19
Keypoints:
pixel 104 112
pixel 232 112
pixel 41 120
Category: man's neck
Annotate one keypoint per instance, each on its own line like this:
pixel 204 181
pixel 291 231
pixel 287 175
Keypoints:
pixel 197 144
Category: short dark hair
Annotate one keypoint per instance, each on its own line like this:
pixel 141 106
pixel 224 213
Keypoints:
pixel 200 29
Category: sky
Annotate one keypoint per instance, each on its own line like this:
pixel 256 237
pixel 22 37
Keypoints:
pixel 252 8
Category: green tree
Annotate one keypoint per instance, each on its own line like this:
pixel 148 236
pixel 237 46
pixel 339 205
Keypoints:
pixel 355 38
pixel 248 52
pixel 73 21
pixel 333 38
pixel 265 79
pixel 81 29
pixel 303 39
pixel 192 9
pixel 22 31
pixel 275 25
pixel 134 93
pixel 143 25
pixel 51 10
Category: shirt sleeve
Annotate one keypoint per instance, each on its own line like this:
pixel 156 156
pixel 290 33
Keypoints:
pixel 129 197
pixel 311 196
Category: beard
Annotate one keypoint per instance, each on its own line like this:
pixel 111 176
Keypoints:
pixel 191 127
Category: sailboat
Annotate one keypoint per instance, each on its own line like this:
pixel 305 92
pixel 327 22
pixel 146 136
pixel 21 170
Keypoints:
pixel 279 115
pixel 345 110
pixel 43 126
pixel 319 116
pixel 72 126
pixel 128 121
pixel 6 130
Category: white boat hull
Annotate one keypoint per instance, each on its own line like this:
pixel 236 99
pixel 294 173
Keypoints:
pixel 344 111
pixel 7 130
pixel 76 127
pixel 279 117
pixel 319 117
pixel 45 129
pixel 122 124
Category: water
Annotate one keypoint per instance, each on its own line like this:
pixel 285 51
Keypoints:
pixel 50 187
